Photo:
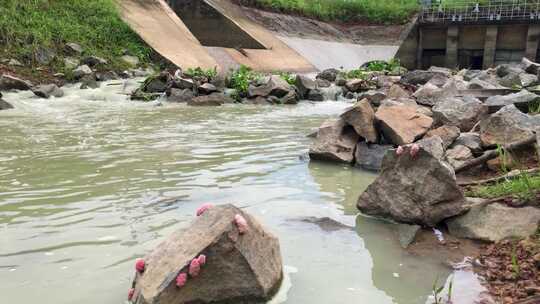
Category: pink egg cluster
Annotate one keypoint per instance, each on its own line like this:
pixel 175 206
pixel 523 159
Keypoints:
pixel 241 223
pixel 140 265
pixel 203 208
pixel 131 293
pixel 181 280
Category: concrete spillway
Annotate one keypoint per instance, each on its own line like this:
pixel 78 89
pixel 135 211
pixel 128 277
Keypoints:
pixel 218 33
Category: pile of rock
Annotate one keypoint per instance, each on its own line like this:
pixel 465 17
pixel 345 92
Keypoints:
pixel 225 256
pixel 419 128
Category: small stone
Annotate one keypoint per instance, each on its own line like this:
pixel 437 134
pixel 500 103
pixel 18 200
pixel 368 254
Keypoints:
pixel 73 49
pixel 82 71
pixel 93 61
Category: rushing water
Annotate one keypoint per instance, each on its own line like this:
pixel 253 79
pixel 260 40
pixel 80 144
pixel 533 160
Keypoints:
pixel 91 181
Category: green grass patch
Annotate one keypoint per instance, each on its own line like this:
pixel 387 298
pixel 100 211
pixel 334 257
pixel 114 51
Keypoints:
pixel 525 187
pixel 376 11
pixel 27 25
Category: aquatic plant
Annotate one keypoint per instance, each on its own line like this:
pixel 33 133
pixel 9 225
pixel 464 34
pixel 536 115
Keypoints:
pixel 288 77
pixel 199 72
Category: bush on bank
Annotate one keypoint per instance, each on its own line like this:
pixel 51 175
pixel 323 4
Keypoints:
pixel 27 26
pixel 375 11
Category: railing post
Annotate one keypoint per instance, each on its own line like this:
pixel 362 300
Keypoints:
pixel 490 46
pixel 452 38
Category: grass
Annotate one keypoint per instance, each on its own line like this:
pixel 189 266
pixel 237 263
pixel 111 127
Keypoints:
pixel 525 187
pixel 27 25
pixel 348 11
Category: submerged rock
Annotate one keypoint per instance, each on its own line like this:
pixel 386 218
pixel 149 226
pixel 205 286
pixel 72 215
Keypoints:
pixel 48 90
pixel 407 234
pixel 362 118
pixel 415 187
pixel 4 105
pixel 402 124
pixel 8 82
pixel 335 141
pixel 225 256
pixel 214 99
pixel 370 156
pixel 495 222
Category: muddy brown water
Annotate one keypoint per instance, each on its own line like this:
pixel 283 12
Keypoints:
pixel 91 181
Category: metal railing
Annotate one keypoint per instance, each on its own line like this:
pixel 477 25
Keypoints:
pixel 480 11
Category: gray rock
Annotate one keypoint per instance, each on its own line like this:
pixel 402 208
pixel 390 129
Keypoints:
pixel 434 145
pixel 157 83
pixel 370 156
pixel 315 95
pixel 48 90
pixel 356 85
pixel 73 49
pixel 214 99
pixel 180 95
pixel 385 81
pixel 529 66
pixel 440 70
pixel 462 112
pixel 448 134
pixel 4 105
pixel 183 83
pixel 431 95
pixel 471 74
pixel 528 80
pixel 271 86
pixel 374 97
pixel 44 56
pixel 419 77
pixel 231 93
pixel 470 140
pixel 521 100
pixel 504 70
pixel 495 222
pixel 82 71
pixel 335 141
pixel 15 62
pixel 8 82
pixel 362 118
pixel 290 98
pixel 400 102
pixel 401 124
pixel 71 63
pixel 407 234
pixel 106 75
pixel 419 189
pixel 89 82
pixel 207 88
pixel 259 100
pixel 479 84
pixel 458 155
pixel 323 83
pixel 304 85
pixel 340 80
pixel 130 60
pixel 93 61
pixel 511 81
pixel 239 268
pixel 506 126
pixel 328 74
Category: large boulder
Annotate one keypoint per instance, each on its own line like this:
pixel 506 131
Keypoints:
pixel 304 84
pixel 529 66
pixel 224 256
pixel 357 85
pixel 415 188
pixel 507 126
pixel 272 86
pixel 370 156
pixel 8 82
pixel 448 134
pixel 521 100
pixel 402 124
pixel 462 112
pixel 335 141
pixel 48 90
pixel 375 97
pixel 180 95
pixel 157 83
pixel 397 92
pixel 362 118
pixel 214 99
pixel 495 222
pixel 82 71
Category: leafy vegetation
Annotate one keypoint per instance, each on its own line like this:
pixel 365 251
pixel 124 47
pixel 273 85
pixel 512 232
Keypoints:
pixel 525 187
pixel 387 11
pixel 288 77
pixel 199 72
pixel 27 26
pixel 437 290
pixel 392 66
pixel 240 79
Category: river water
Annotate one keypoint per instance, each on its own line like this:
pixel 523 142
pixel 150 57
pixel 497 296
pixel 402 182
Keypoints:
pixel 91 181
